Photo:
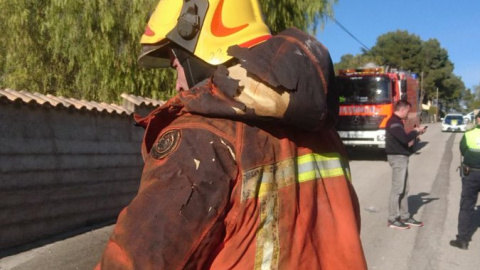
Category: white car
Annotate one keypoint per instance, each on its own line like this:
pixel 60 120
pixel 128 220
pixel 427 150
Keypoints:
pixel 454 122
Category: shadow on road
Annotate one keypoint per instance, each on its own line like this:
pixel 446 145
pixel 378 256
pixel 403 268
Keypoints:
pixel 418 146
pixel 363 153
pixel 417 201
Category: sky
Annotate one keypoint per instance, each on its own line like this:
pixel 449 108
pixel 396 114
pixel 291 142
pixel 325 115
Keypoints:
pixel 455 24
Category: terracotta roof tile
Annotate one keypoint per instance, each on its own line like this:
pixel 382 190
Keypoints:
pixel 142 100
pixel 10 95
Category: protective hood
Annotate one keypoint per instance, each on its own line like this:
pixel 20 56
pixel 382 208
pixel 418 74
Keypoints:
pixel 288 78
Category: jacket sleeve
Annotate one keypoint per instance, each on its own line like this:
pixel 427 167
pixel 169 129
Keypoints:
pixel 176 219
pixel 398 132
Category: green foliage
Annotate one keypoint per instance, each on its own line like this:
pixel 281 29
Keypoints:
pixel 357 61
pixel 80 49
pixel 406 51
pixel 22 44
pixel 473 98
pixel 432 110
pixel 88 49
pixel 398 49
pixel 303 14
pixel 469 99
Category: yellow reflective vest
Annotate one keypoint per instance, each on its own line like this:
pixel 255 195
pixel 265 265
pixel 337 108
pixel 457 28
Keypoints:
pixel 470 148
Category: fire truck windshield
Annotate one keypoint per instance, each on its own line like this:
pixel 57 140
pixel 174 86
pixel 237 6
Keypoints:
pixel 364 89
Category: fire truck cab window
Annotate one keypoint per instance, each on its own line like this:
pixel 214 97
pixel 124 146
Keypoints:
pixel 364 89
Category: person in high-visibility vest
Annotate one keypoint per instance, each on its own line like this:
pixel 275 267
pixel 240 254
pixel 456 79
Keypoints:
pixel 470 149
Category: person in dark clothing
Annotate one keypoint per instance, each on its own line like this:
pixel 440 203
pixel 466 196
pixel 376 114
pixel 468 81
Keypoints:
pixel 398 144
pixel 470 150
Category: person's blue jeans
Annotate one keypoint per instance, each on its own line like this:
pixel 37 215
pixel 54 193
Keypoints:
pixel 398 204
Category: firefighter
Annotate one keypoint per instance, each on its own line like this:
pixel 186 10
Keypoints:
pixel 243 168
pixel 470 150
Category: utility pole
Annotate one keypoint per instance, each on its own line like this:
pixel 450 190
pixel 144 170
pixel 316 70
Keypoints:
pixel 422 94
pixel 437 107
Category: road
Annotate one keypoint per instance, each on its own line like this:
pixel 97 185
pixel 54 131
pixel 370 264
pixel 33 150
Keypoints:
pixel 434 198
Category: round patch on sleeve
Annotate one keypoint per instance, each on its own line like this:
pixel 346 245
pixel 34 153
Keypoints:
pixel 167 144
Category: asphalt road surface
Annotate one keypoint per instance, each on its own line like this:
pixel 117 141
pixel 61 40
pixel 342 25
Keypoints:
pixel 434 198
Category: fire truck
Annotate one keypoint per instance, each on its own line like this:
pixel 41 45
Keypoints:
pixel 367 96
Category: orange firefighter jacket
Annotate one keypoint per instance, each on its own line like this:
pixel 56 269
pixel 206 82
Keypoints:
pixel 245 172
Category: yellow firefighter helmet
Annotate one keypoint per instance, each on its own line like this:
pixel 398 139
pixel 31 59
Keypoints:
pixel 206 28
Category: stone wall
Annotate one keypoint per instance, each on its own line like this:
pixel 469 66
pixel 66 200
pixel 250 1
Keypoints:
pixel 64 167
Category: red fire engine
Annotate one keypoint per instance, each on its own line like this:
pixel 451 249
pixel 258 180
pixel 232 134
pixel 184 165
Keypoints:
pixel 367 96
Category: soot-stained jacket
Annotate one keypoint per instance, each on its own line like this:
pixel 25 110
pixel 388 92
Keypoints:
pixel 245 171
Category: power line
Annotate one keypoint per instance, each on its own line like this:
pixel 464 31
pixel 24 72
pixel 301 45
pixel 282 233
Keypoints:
pixel 348 32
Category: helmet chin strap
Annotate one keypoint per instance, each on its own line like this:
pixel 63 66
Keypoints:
pixel 196 70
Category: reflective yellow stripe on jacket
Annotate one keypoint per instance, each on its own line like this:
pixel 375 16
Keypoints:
pixel 269 178
pixel 265 181
pixel 314 166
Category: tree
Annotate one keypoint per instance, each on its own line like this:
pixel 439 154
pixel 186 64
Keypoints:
pixel 357 61
pixel 437 69
pixel 452 87
pixel 398 49
pixel 88 49
pixel 473 97
pixel 77 49
pixel 303 14
pixel 23 55
pixel 468 99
